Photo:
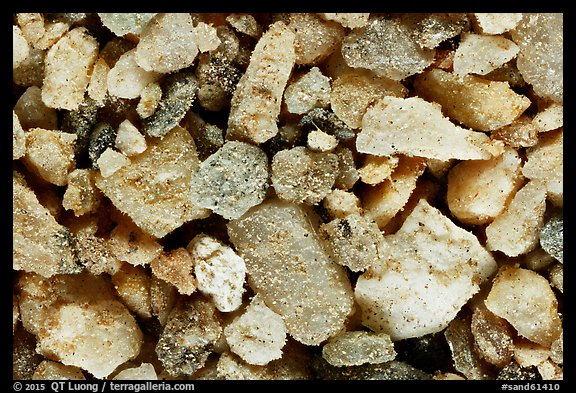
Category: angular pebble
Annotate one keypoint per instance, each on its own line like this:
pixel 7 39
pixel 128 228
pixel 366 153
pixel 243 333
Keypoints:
pixel 479 190
pixel 220 272
pixel 354 91
pixel 310 90
pixel 497 22
pixel 232 180
pixel 167 43
pixel 50 154
pixel 126 79
pixel 516 231
pixel 415 127
pixel 474 102
pixel 72 315
pixel 68 66
pixel 481 54
pixel 431 264
pixel 110 161
pixel 129 140
pixel 154 190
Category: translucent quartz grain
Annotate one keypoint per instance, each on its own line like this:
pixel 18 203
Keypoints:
pixel 386 47
pixel 154 190
pixel 430 269
pixel 479 190
pixel 315 38
pixel 257 100
pixel 167 43
pixel 125 23
pixel 30 71
pixel 431 29
pixel 541 57
pixel 49 370
pixel 39 244
pixel 493 336
pixel 546 164
pixel 516 231
pixel 308 91
pixel 126 79
pixel 525 299
pixel 480 54
pixel 232 180
pixel 144 372
pixel 288 267
pixel 50 154
pixel 32 111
